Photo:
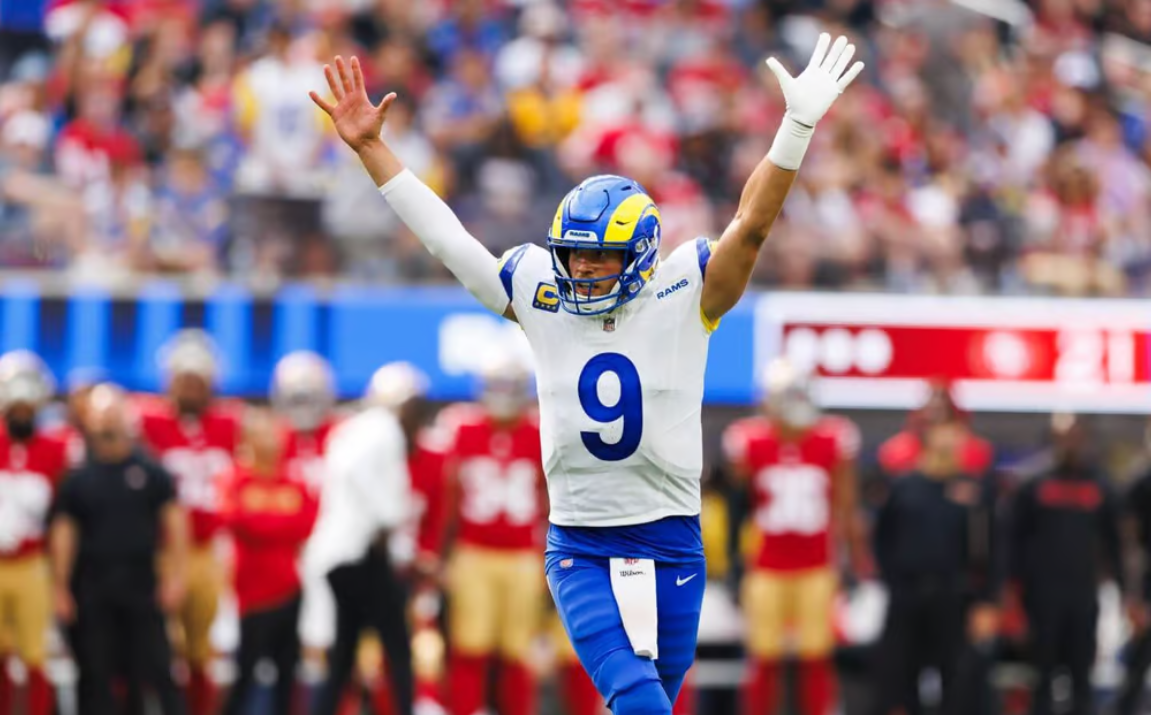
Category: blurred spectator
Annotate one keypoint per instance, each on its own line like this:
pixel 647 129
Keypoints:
pixel 944 172
pixel 21 31
pixel 41 222
pixel 284 133
pixel 191 229
pixel 462 112
pixel 472 26
pixel 90 144
pixel 365 228
pixel 539 55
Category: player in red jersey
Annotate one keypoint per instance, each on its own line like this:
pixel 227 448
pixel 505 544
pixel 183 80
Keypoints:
pixel 800 468
pixel 31 465
pixel 194 436
pixel 304 394
pixel 495 579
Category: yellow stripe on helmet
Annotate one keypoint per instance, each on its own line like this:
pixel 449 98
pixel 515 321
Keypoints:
pixel 558 221
pixel 621 226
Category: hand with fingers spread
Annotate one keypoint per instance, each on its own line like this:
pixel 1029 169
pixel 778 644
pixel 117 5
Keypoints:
pixel 810 95
pixel 357 120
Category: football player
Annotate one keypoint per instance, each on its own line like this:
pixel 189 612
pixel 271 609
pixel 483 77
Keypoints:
pixel 799 466
pixel 31 465
pixel 495 579
pixel 620 339
pixel 304 394
pixel 194 436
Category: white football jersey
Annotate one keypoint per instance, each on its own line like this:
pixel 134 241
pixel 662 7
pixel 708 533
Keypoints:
pixel 620 394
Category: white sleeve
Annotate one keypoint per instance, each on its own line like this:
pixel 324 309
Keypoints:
pixel 378 473
pixel 441 232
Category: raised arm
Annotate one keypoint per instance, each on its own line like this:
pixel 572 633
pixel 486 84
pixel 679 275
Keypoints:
pixel 808 98
pixel 359 123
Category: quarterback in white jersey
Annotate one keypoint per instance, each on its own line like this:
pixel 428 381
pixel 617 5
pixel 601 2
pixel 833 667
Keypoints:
pixel 621 340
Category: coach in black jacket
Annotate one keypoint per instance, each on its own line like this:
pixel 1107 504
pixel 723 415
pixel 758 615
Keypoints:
pixel 936 545
pixel 1064 537
pixel 112 516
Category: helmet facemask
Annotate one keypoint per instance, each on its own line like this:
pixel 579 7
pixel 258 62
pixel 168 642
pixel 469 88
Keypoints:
pixel 604 213
pixel 640 256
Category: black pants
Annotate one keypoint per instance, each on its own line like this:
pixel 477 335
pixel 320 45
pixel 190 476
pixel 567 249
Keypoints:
pixel 108 620
pixel 1139 661
pixel 368 594
pixel 268 634
pixel 1062 623
pixel 924 628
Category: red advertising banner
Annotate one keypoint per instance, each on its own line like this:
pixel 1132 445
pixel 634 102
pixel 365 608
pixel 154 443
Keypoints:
pixel 1003 354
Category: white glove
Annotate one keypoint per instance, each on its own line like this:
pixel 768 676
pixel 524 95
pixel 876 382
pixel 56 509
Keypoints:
pixel 809 96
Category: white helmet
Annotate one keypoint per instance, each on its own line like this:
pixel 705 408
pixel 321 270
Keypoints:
pixel 303 389
pixel 505 390
pixel 24 378
pixel 190 351
pixel 789 395
pixel 395 384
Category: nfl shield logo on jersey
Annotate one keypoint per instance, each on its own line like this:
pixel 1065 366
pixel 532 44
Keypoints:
pixel 609 325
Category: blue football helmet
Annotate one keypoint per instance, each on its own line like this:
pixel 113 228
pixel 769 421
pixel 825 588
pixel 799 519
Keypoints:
pixel 605 213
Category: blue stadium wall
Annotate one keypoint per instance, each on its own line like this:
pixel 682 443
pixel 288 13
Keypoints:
pixel 440 330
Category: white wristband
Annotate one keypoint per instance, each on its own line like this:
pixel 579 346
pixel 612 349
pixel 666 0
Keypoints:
pixel 790 145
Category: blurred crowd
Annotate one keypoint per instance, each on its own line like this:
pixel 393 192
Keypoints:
pixel 981 153
pixel 384 556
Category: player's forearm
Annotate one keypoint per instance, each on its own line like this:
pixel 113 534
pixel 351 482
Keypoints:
pixel 441 232
pixel 62 548
pixel 379 161
pixel 177 537
pixel 762 200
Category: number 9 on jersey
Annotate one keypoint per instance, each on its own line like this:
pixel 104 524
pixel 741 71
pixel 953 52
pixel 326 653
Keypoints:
pixel 629 407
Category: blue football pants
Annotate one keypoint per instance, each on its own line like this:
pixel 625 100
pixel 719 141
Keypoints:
pixel 630 684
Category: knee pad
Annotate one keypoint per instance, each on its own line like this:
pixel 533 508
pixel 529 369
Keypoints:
pixel 631 686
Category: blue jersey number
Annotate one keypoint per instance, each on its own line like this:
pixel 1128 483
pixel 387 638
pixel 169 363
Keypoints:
pixel 629 407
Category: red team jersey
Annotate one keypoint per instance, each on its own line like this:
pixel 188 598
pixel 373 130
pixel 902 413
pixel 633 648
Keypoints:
pixel 304 454
pixel 499 476
pixel 793 483
pixel 426 467
pixel 73 441
pixel 270 519
pixel 29 474
pixel 197 452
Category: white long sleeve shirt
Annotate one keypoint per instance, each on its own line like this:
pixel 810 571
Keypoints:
pixel 367 489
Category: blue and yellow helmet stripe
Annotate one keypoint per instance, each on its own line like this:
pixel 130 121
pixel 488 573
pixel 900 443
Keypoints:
pixel 606 213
